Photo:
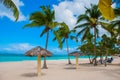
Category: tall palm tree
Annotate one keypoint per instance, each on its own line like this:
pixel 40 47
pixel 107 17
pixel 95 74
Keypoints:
pixel 44 18
pixel 62 35
pixel 86 22
pixel 11 5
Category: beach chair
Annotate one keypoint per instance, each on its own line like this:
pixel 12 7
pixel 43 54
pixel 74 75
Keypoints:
pixel 110 60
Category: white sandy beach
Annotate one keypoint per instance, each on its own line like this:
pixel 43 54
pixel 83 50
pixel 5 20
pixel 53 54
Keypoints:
pixel 59 70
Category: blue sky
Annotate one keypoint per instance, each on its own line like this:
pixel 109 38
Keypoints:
pixel 15 39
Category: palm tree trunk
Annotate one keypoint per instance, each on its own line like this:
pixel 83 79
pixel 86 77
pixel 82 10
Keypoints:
pixel 106 57
pixel 95 63
pixel 101 59
pixel 89 59
pixel 39 65
pixel 77 57
pixel 44 64
pixel 69 62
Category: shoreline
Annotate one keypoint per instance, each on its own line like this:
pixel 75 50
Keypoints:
pixel 46 60
pixel 22 58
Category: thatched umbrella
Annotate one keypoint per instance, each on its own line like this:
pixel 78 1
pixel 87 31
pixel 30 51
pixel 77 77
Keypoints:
pixel 76 54
pixel 38 51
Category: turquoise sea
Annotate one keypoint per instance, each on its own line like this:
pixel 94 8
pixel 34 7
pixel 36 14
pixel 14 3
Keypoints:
pixel 22 57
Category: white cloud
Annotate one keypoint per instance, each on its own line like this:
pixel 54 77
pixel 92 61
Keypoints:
pixel 113 5
pixel 6 12
pixel 103 31
pixel 67 11
pixel 20 47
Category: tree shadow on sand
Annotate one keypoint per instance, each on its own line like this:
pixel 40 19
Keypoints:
pixel 31 74
pixel 84 66
pixel 70 68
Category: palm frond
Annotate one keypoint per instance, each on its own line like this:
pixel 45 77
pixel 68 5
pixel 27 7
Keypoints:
pixel 47 11
pixel 87 31
pixel 54 39
pixel 37 15
pixel 82 31
pixel 74 38
pixel 54 24
pixel 82 25
pixel 63 40
pixel 105 26
pixel 10 5
pixel 32 24
pixel 82 18
pixel 58 38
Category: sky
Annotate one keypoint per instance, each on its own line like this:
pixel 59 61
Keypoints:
pixel 15 39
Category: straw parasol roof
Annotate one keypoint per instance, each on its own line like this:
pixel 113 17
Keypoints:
pixel 38 51
pixel 76 53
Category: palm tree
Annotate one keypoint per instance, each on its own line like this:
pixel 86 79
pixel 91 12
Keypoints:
pixel 108 44
pixel 10 5
pixel 45 18
pixel 89 20
pixel 62 35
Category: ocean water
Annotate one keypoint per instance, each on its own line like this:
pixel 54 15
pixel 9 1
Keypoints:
pixel 21 57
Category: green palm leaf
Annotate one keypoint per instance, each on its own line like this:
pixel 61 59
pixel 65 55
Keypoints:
pixel 10 5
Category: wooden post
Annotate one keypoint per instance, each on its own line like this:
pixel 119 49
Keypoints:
pixel 76 62
pixel 39 65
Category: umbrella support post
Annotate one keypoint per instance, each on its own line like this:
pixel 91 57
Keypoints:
pixel 76 62
pixel 39 65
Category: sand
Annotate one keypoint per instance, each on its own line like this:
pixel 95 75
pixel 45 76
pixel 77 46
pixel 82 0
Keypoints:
pixel 59 70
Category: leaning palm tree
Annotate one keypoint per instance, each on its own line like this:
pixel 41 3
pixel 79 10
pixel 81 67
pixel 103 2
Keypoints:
pixel 62 35
pixel 90 20
pixel 11 5
pixel 45 18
